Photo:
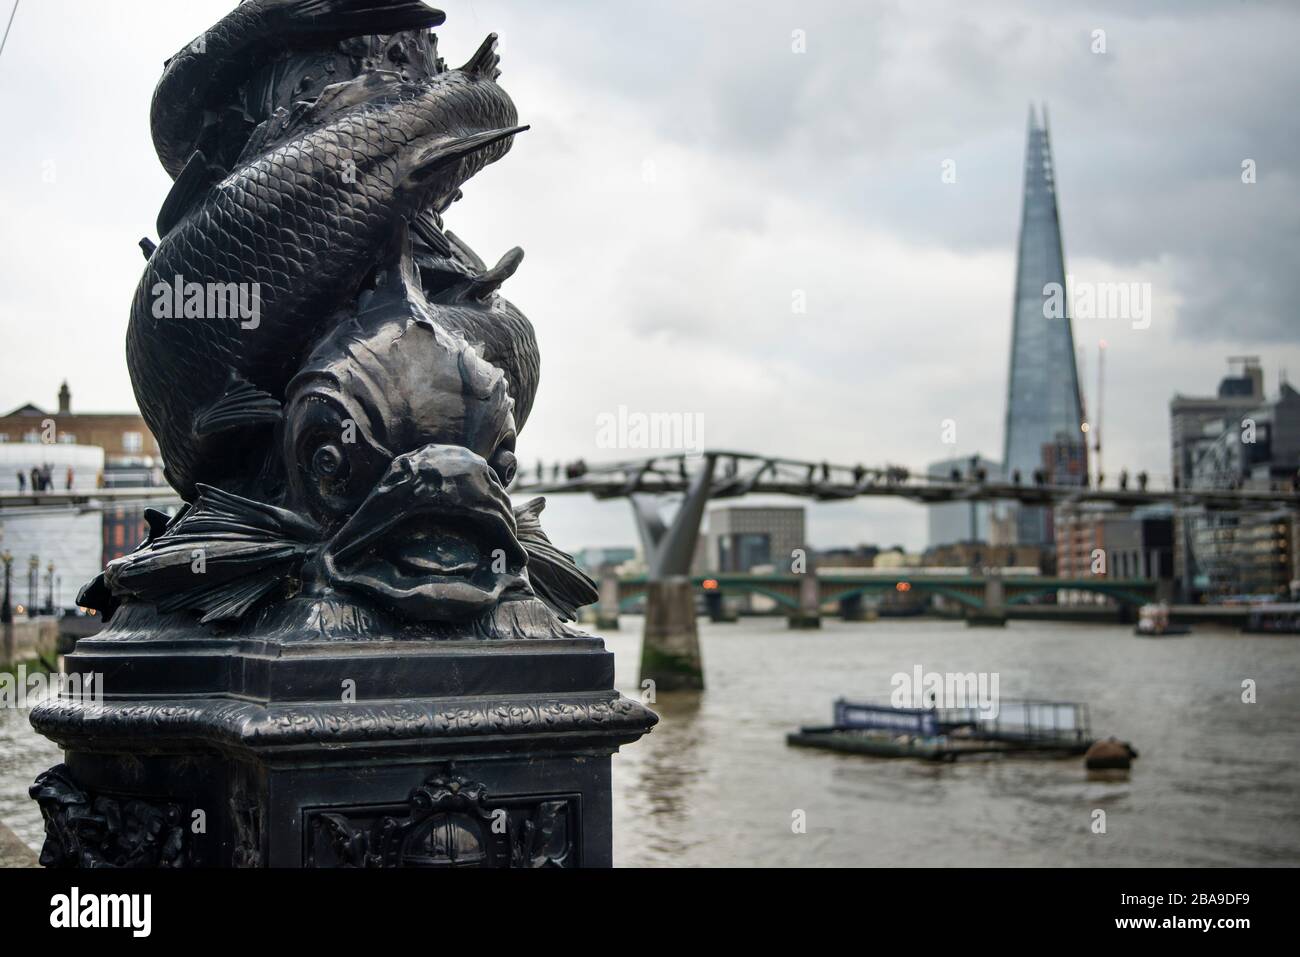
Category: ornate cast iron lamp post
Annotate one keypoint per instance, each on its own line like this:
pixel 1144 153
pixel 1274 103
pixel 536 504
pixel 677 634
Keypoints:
pixel 33 576
pixel 349 648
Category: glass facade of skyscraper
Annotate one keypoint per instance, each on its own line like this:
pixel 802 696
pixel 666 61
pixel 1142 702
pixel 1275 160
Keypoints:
pixel 1044 409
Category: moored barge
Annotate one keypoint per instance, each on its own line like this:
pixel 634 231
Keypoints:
pixel 1050 729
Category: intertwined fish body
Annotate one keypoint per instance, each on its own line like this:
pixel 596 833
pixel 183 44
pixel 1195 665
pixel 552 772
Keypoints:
pixel 256 266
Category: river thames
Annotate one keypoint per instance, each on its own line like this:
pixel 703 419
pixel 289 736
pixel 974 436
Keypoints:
pixel 1216 783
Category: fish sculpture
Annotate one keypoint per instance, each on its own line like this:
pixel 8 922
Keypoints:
pixel 334 380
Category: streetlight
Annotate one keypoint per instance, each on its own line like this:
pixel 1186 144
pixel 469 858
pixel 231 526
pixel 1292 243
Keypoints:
pixel 6 609
pixel 33 573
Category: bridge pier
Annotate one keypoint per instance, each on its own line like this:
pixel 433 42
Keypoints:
pixel 809 612
pixel 670 643
pixel 994 612
pixel 607 606
pixel 670 648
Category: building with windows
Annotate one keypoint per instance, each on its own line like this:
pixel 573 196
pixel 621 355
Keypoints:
pixel 1044 405
pixel 1195 424
pixel 131 454
pixel 858 557
pixel 742 537
pixel 34 466
pixel 1114 543
pixel 55 549
pixel 896 558
pixel 124 528
pixel 57 451
pixel 1236 554
pixel 977 556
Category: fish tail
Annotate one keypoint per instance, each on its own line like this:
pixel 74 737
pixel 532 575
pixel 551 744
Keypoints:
pixel 556 578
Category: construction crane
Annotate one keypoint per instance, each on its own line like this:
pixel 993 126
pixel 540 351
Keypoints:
pixel 1096 425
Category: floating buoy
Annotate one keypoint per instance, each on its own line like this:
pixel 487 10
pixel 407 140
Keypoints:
pixel 1110 754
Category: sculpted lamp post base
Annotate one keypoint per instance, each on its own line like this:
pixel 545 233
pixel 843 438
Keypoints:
pixel 349 648
pixel 453 753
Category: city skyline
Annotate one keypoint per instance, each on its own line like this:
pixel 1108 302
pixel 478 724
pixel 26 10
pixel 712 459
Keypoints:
pixel 522 437
pixel 789 196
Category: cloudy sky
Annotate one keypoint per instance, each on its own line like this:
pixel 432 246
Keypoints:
pixel 689 174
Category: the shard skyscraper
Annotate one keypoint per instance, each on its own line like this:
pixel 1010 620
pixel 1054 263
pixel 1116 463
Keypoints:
pixel 1044 407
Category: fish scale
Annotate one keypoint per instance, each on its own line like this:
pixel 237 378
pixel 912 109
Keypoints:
pixel 289 222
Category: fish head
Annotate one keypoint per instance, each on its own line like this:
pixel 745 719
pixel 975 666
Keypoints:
pixel 399 440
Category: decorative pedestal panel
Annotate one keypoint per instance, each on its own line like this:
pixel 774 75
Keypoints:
pixel 246 753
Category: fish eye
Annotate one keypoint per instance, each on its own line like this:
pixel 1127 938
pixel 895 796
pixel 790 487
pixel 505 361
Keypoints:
pixel 504 464
pixel 327 460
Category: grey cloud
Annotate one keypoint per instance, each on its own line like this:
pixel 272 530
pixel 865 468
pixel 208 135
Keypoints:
pixel 775 172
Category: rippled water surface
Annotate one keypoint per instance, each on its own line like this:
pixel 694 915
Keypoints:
pixel 1217 782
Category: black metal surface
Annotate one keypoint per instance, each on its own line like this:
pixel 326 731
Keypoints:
pixel 348 648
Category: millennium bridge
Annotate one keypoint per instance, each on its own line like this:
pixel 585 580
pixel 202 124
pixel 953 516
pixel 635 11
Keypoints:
pixel 670 647
pixel 655 484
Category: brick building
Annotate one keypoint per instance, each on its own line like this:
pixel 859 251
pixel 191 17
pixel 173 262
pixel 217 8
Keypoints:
pixel 131 453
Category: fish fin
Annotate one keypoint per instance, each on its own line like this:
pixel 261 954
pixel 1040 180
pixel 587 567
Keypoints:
pixel 449 280
pixel 346 18
pixel 189 186
pixel 485 63
pixel 427 229
pixel 218 512
pixel 490 280
pixel 555 577
pixel 247 550
pixel 349 93
pixel 455 197
pixel 462 250
pixel 452 150
pixel 242 406
pixel 253 145
pixel 186 491
pixel 441 277
pixel 147 246
pixel 96 594
pixel 235 576
pixel 232 602
pixel 270 130
pixel 157 521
